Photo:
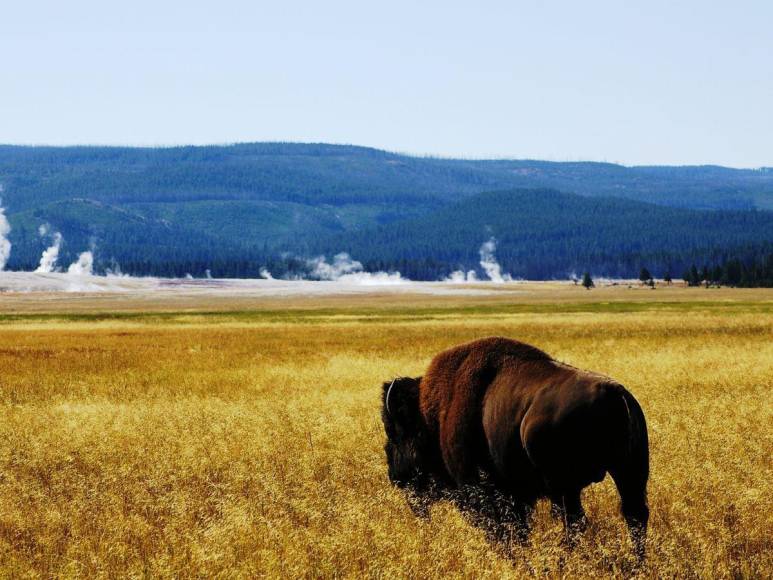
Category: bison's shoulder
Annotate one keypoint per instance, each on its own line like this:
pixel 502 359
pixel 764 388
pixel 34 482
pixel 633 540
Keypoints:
pixel 461 375
pixel 484 352
pixel 496 346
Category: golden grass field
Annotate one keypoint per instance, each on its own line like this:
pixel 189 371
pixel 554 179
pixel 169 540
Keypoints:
pixel 168 441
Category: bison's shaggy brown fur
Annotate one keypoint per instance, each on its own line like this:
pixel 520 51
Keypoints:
pixel 530 426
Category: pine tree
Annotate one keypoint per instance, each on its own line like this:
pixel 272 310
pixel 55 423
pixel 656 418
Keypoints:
pixel 587 281
pixel 705 276
pixel 695 278
pixel 717 275
pixel 733 272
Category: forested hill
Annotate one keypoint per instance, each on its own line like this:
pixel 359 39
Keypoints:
pixel 231 209
pixel 339 175
pixel 545 234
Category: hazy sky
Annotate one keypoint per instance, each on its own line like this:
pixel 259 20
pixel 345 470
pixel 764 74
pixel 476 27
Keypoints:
pixel 634 82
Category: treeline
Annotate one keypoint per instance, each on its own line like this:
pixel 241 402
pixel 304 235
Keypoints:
pixel 540 234
pixel 757 273
pixel 750 273
pixel 255 267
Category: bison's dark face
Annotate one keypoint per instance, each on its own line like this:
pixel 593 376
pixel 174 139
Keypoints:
pixel 405 431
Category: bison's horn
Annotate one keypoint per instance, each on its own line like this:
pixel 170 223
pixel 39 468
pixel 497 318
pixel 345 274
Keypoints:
pixel 389 390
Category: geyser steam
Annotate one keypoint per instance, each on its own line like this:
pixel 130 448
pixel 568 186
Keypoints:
pixel 50 254
pixel 341 266
pixel 83 266
pixel 5 243
pixel 460 277
pixel 344 269
pixel 489 263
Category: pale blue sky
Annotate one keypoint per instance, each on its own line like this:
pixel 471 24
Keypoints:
pixel 636 82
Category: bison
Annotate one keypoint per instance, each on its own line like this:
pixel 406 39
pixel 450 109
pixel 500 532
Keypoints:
pixel 501 411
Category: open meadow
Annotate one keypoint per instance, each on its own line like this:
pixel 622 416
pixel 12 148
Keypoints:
pixel 235 437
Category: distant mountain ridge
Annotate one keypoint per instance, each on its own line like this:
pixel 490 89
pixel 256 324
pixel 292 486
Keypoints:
pixel 175 210
pixel 340 174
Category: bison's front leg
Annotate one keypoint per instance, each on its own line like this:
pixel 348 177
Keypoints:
pixel 575 521
pixel 520 518
pixel 503 517
pixel 568 508
pixel 423 492
pixel 511 516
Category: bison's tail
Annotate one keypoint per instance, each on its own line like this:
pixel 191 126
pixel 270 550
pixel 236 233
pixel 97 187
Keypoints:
pixel 631 471
pixel 638 454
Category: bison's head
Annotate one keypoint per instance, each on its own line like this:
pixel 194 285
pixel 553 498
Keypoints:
pixel 405 431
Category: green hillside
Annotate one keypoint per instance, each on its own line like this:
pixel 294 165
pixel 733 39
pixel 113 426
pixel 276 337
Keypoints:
pixel 233 208
pixel 545 233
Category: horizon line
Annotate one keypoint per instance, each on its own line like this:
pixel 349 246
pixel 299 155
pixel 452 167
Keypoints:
pixel 417 155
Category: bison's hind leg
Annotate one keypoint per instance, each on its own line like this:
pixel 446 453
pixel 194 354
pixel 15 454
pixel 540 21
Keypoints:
pixel 630 471
pixel 633 502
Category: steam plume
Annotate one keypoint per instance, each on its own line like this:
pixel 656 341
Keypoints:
pixel 50 254
pixel 342 265
pixel 489 263
pixel 460 277
pixel 83 266
pixel 344 269
pixel 5 244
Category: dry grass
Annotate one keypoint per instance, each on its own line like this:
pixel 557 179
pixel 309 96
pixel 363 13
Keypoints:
pixel 250 443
